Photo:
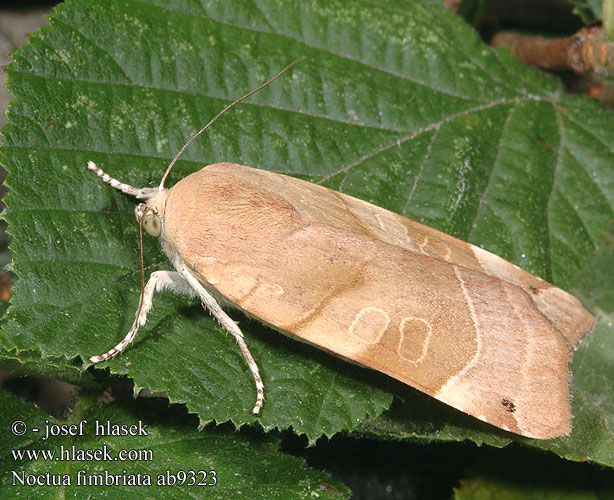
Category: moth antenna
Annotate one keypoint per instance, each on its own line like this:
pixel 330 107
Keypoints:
pixel 139 193
pixel 138 312
pixel 214 119
pixel 135 326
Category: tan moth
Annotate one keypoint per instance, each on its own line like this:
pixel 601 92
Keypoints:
pixel 368 285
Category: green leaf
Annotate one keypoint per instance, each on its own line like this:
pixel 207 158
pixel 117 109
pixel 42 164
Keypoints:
pixel 30 363
pixel 531 476
pixel 588 10
pixel 157 446
pixel 15 412
pixel 397 103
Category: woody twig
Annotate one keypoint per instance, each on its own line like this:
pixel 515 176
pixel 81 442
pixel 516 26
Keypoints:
pixel 587 51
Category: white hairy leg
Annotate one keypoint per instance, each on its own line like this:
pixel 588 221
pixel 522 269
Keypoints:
pixel 226 321
pixel 186 284
pixel 159 280
pixel 139 193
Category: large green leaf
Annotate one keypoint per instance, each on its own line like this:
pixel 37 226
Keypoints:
pixel 397 103
pixel 151 444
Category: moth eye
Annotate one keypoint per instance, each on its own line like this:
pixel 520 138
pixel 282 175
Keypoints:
pixel 151 223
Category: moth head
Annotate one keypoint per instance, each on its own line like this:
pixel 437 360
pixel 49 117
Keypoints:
pixel 152 224
pixel 150 215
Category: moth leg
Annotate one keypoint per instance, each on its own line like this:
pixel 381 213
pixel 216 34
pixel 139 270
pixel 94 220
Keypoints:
pixel 139 193
pixel 226 321
pixel 159 280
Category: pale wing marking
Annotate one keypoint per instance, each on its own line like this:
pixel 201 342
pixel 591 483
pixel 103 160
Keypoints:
pixel 403 348
pixel 369 325
pixel 451 396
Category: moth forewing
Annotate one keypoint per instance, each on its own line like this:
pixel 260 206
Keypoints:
pixel 437 313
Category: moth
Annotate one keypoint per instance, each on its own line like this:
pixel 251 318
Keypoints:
pixel 368 285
